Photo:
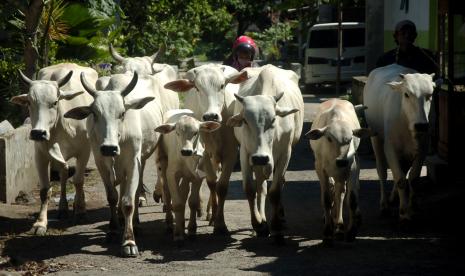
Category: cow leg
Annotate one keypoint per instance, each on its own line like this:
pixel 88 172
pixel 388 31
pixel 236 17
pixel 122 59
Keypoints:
pixel 40 225
pixel 222 191
pixel 128 205
pixel 211 182
pixel 112 197
pixel 381 168
pixel 250 191
pixel 262 190
pixel 167 206
pixel 399 179
pixel 142 189
pixel 326 203
pixel 355 217
pixel 339 195
pixel 413 177
pixel 63 209
pixel 194 205
pixel 178 205
pixel 79 206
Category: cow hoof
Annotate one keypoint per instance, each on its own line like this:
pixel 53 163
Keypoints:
pixel 80 218
pixel 405 224
pixel 38 230
pixel 339 236
pixel 221 230
pixel 263 230
pixel 63 214
pixel 278 240
pixel 129 251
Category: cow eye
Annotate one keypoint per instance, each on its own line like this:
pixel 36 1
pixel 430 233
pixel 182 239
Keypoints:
pixel 245 122
pixel 54 104
pixel 406 95
pixel 222 86
pixel 121 116
pixel 329 139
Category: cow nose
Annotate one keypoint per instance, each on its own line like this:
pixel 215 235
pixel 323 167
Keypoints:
pixel 210 117
pixel 342 163
pixel 421 127
pixel 38 135
pixel 260 160
pixel 108 150
pixel 186 152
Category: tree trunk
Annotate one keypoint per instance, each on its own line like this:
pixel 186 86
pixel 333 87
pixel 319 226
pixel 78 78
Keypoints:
pixel 33 14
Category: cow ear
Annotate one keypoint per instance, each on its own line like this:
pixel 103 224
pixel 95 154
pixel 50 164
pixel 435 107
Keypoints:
pixel 68 95
pixel 20 99
pixel 137 103
pixel 237 78
pixel 363 132
pixel 180 85
pixel 235 121
pixel 395 85
pixel 315 134
pixel 166 128
pixel 284 111
pixel 209 126
pixel 78 113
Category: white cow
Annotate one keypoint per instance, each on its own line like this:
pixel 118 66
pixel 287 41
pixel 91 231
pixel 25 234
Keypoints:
pixel 182 143
pixel 57 139
pixel 398 101
pixel 267 125
pixel 334 137
pixel 163 73
pixel 210 95
pixel 121 133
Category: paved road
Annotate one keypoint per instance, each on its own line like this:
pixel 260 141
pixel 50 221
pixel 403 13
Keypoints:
pixel 382 248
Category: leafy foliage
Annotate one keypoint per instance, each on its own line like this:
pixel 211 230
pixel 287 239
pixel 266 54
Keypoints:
pixel 271 40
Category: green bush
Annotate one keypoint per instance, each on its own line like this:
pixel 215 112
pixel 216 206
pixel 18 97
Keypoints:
pixel 10 86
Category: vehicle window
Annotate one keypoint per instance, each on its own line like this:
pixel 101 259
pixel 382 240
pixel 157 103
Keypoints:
pixel 328 38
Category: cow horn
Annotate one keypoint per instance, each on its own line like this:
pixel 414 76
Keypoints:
pixel 160 51
pixel 87 86
pixel 279 96
pixel 64 80
pixel 130 86
pixel 402 75
pixel 115 54
pixel 26 80
pixel 239 98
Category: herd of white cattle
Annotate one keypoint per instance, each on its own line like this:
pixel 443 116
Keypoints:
pixel 258 112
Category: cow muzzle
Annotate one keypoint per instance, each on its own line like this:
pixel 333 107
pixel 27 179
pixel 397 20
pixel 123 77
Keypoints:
pixel 421 127
pixel 342 163
pixel 187 152
pixel 109 150
pixel 38 135
pixel 210 116
pixel 260 160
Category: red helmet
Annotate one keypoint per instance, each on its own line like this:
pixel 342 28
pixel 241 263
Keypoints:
pixel 245 44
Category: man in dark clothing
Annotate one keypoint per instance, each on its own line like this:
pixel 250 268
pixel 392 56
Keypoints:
pixel 407 54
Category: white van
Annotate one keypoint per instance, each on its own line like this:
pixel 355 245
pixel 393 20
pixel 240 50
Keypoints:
pixel 321 52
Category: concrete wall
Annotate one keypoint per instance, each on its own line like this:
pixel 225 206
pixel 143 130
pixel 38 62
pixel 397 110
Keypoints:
pixel 17 166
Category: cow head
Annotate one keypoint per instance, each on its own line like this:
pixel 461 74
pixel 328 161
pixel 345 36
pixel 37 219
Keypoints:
pixel 108 110
pixel 187 133
pixel 42 101
pixel 341 141
pixel 416 91
pixel 258 121
pixel 141 65
pixel 209 83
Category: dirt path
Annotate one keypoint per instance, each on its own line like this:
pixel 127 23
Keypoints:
pixel 428 248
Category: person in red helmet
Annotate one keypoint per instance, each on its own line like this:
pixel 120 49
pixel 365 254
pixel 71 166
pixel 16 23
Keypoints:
pixel 243 53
